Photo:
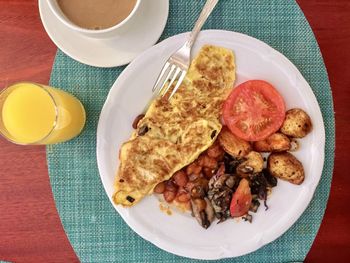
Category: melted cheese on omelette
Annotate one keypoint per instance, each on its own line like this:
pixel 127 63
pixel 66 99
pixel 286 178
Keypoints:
pixel 174 133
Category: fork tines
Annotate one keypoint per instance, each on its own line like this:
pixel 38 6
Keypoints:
pixel 170 73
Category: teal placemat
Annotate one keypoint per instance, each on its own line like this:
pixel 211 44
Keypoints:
pixel 96 231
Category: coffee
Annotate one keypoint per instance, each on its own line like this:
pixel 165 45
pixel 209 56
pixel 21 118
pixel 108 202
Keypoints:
pixel 96 14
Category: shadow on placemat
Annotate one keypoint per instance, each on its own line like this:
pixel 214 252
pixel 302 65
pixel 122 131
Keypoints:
pixel 96 231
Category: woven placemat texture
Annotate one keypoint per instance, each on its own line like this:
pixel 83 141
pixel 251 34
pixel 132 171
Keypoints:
pixel 96 231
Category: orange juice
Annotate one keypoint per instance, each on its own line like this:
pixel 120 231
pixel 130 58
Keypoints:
pixel 38 114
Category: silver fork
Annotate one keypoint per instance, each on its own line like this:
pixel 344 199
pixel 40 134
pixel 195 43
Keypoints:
pixel 177 65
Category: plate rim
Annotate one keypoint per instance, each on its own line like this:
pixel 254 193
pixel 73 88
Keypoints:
pixel 301 208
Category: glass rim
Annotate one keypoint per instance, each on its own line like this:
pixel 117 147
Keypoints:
pixel 40 141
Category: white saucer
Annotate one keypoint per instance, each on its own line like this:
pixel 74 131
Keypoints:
pixel 144 31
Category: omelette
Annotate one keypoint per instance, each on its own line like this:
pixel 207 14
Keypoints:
pixel 175 132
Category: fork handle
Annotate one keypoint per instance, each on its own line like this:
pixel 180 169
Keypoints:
pixel 206 11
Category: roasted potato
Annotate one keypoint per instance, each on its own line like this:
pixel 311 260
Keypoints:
pixel 297 123
pixel 286 167
pixel 254 163
pixel 232 144
pixel 294 145
pixel 277 142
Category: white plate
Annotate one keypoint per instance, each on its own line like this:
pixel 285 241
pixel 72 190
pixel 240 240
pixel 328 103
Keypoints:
pixel 180 234
pixel 146 28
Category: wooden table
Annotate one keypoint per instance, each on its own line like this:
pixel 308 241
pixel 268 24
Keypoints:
pixel 30 228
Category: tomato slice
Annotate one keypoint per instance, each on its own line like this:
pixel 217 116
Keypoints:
pixel 241 199
pixel 254 110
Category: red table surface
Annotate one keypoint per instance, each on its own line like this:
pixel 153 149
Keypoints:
pixel 30 228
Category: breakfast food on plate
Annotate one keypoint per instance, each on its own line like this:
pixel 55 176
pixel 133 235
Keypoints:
pixel 230 177
pixel 233 145
pixel 218 180
pixel 254 110
pixel 241 199
pixel 201 150
pixel 253 162
pixel 286 166
pixel 172 134
pixel 277 142
pixel 297 123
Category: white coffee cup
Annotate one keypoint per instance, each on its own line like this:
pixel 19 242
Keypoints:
pixel 93 33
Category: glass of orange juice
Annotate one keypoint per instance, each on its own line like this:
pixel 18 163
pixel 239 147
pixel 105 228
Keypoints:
pixel 35 114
